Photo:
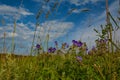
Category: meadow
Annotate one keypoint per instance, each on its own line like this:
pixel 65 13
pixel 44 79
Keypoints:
pixel 61 67
pixel 65 62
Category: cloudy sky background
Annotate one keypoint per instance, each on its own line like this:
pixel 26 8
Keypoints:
pixel 64 23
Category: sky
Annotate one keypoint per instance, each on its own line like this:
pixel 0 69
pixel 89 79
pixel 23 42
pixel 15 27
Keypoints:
pixel 63 20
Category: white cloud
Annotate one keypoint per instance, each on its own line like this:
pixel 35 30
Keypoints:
pixel 75 2
pixel 6 10
pixel 24 32
pixel 55 28
pixel 24 12
pixel 83 2
pixel 10 34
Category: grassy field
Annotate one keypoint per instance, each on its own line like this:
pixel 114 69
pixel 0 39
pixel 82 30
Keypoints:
pixel 61 67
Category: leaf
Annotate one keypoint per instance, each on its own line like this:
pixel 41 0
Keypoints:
pixel 114 20
pixel 71 10
pixel 103 32
pixel 39 13
pixel 85 10
pixel 96 30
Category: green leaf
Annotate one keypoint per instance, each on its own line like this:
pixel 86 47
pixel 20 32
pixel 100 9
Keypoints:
pixel 96 30
pixel 114 20
pixel 39 13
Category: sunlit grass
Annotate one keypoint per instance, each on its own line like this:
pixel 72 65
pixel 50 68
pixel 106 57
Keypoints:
pixel 64 67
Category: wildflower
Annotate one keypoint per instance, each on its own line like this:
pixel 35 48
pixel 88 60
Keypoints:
pixel 51 50
pixel 56 43
pixel 38 46
pixel 93 48
pixel 105 40
pixel 79 44
pixel 79 58
pixel 66 45
pixel 86 49
pixel 74 42
pixel 54 49
pixel 89 52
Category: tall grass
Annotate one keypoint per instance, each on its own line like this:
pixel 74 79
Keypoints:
pixel 60 67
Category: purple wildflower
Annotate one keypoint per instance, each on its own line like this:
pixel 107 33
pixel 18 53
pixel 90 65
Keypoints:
pixel 56 43
pixel 101 41
pixel 86 49
pixel 89 52
pixel 79 58
pixel 105 40
pixel 54 49
pixel 79 44
pixel 93 48
pixel 38 46
pixel 74 42
pixel 67 45
pixel 51 50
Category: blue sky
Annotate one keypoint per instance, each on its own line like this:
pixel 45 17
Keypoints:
pixel 66 22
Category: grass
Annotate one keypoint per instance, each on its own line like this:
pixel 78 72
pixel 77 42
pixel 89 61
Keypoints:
pixel 60 67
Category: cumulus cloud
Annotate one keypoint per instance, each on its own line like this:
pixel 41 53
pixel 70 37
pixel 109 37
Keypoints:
pixel 6 10
pixel 52 27
pixel 55 28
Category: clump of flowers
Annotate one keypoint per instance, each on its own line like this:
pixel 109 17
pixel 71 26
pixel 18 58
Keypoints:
pixel 79 47
pixel 77 43
pixel 51 50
